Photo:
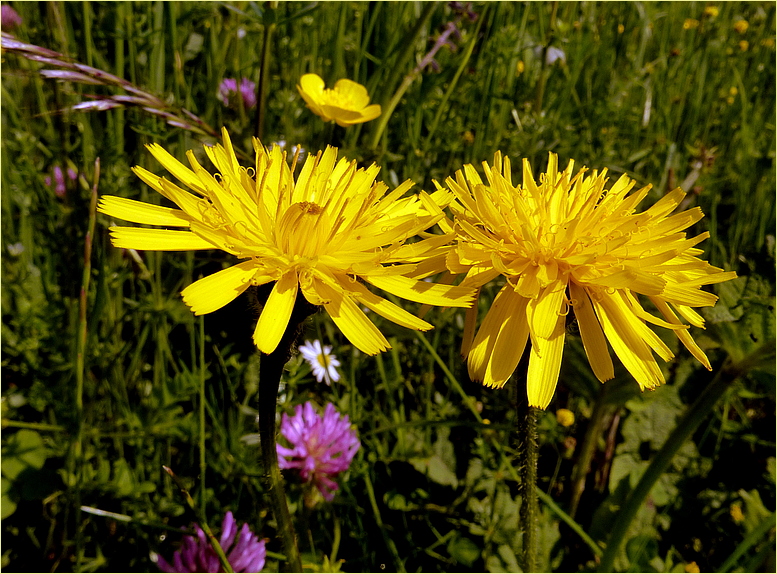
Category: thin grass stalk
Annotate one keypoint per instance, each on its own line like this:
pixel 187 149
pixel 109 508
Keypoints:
pixel 201 521
pixel 398 564
pixel 270 371
pixel 587 449
pixel 527 459
pixel 389 103
pixel 264 70
pixel 695 415
pixel 750 540
pixel 201 424
pixel 454 82
pixel 80 358
pixel 544 66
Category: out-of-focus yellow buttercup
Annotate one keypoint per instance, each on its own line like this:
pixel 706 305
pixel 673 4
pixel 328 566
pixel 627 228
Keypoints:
pixel 346 104
pixel 324 234
pixel 566 244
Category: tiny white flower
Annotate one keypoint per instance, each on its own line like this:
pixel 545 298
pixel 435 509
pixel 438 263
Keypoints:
pixel 321 361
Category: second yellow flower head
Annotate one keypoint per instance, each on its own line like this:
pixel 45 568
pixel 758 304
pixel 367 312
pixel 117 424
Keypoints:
pixel 346 104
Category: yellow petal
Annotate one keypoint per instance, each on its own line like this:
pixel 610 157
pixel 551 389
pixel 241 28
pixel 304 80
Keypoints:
pixel 470 320
pixel 528 285
pixel 638 326
pixel 352 92
pixel 509 343
pixel 140 212
pixel 180 171
pixel 276 313
pixel 214 291
pixel 594 342
pixel 157 239
pixel 543 312
pixel 423 292
pixel 505 304
pixel 354 324
pixel 630 348
pixel 542 376
pixel 682 334
pixel 383 307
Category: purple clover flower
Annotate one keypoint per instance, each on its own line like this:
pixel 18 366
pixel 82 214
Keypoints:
pixel 228 91
pixel 59 183
pixel 9 18
pixel 246 554
pixel 321 446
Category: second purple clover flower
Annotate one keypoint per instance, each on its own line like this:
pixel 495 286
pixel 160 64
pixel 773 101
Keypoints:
pixel 245 551
pixel 229 91
pixel 322 446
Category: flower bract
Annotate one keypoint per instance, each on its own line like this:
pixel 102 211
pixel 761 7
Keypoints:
pixel 322 446
pixel 346 104
pixel 566 244
pixel 244 550
pixel 323 234
pixel 321 360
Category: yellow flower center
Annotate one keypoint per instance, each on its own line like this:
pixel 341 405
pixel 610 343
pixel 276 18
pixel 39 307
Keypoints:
pixel 303 230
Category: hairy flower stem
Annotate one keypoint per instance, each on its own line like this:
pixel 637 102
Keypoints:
pixel 527 453
pixel 696 414
pixel 270 370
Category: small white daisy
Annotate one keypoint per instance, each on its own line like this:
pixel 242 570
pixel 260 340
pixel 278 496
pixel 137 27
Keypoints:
pixel 321 361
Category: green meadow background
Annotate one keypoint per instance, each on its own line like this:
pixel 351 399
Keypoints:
pixel 100 391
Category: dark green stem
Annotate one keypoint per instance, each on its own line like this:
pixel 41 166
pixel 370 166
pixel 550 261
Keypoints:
pixel 527 454
pixel 270 370
pixel 685 428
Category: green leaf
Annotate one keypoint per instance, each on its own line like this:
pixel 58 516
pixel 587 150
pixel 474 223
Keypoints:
pixel 8 504
pixel 24 449
pixel 464 550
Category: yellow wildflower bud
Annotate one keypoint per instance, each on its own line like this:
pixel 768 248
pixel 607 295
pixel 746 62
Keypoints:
pixel 744 45
pixel 711 11
pixel 692 567
pixel 621 28
pixel 565 417
pixel 519 68
pixel 741 26
pixel 690 23
pixel 736 513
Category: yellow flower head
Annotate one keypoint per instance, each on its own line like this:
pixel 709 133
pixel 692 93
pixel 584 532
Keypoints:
pixel 324 235
pixel 346 104
pixel 736 513
pixel 741 26
pixel 712 11
pixel 566 244
pixel 690 23
pixel 565 417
